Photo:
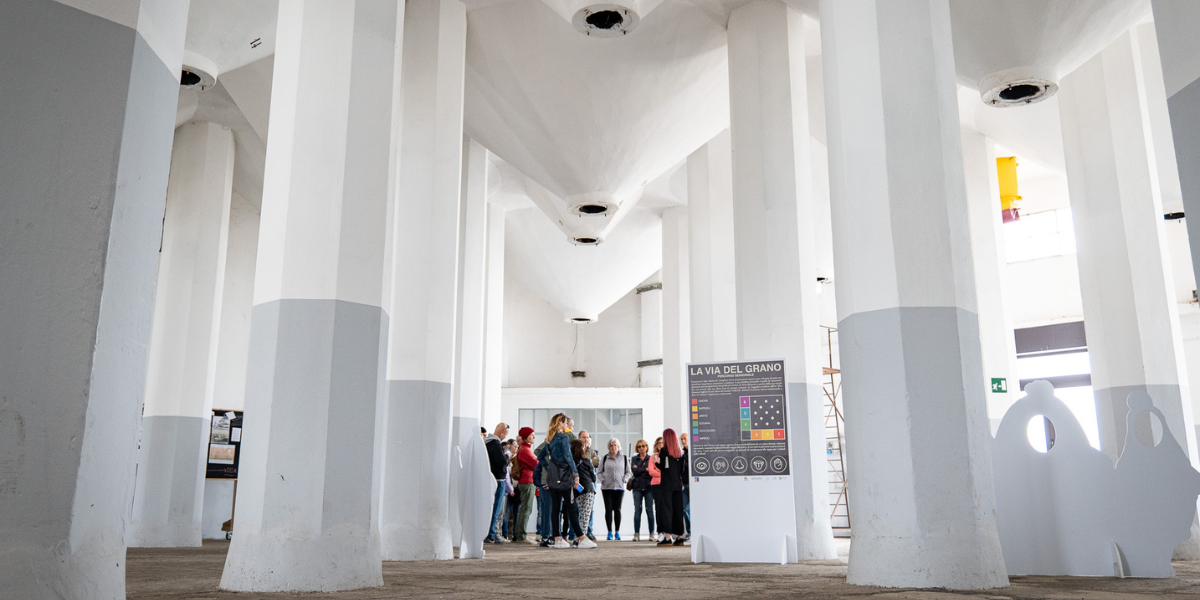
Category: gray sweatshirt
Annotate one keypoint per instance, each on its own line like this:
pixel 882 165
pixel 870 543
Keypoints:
pixel 613 472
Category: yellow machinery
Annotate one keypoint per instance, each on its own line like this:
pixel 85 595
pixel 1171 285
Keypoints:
pixel 1006 171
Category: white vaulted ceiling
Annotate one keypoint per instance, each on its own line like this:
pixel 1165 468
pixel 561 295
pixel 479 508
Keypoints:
pixel 592 119
pixel 1058 35
pixel 573 119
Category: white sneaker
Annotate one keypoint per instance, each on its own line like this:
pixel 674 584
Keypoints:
pixel 561 544
pixel 531 541
pixel 586 543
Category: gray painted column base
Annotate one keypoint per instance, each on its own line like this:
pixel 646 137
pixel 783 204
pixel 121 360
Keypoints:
pixel 407 543
pixel 304 519
pixel 810 472
pixel 918 451
pixel 342 559
pixel 168 500
pixel 414 509
pixel 86 569
pixel 83 195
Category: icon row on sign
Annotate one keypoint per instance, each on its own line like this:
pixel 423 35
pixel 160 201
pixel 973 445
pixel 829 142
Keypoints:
pixel 739 465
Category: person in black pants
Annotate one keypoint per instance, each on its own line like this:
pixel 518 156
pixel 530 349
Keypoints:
pixel 672 461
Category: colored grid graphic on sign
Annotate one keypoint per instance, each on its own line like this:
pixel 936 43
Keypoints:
pixel 766 412
pixel 762 417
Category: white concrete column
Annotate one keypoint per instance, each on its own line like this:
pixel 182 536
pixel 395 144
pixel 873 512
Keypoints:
pixel 713 292
pixel 305 514
pixel 89 95
pixel 651 296
pixel 470 348
pixel 918 450
pixel 494 360
pixel 997 342
pixel 468 393
pixel 773 213
pixel 181 374
pixel 237 302
pixel 420 365
pixel 676 331
pixel 1125 279
pixel 1175 23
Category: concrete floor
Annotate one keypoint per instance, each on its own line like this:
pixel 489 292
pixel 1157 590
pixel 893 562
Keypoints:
pixel 615 570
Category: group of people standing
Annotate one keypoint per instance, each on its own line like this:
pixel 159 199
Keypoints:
pixel 562 474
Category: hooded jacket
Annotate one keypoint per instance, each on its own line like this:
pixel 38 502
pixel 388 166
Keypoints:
pixel 496 459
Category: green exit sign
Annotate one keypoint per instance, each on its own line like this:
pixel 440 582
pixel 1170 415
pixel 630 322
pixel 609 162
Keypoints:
pixel 999 385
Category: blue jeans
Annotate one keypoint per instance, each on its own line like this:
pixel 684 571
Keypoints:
pixel 641 497
pixel 687 507
pixel 496 504
pixel 543 522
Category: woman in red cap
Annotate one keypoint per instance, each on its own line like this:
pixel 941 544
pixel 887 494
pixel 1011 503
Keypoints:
pixel 525 484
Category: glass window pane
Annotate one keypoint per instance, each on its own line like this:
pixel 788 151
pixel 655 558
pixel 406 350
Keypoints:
pixel 541 420
pixel 634 422
pixel 525 418
pixel 604 422
pixel 588 422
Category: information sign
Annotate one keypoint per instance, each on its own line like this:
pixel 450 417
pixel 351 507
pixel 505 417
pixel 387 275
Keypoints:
pixel 739 419
pixel 224 445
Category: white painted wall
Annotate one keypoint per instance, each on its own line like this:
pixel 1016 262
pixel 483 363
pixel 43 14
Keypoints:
pixel 538 343
pixel 649 400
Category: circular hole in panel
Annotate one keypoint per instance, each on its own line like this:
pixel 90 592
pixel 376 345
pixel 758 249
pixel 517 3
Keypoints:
pixel 1020 91
pixel 592 209
pixel 1040 433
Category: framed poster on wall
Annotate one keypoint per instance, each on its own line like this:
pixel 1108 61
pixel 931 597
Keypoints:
pixel 224 444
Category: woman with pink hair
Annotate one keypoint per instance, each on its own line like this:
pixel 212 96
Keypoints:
pixel 672 461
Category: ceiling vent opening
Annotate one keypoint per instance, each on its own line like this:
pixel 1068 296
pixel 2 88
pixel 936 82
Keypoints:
pixel 592 209
pixel 1021 91
pixel 188 78
pixel 604 19
pixel 580 320
pixel 588 241
pixel 191 78
pixel 1017 87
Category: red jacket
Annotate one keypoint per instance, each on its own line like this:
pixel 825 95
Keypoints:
pixel 528 463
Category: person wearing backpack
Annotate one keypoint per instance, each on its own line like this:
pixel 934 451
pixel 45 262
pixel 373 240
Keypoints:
pixel 523 465
pixel 562 477
pixel 614 472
